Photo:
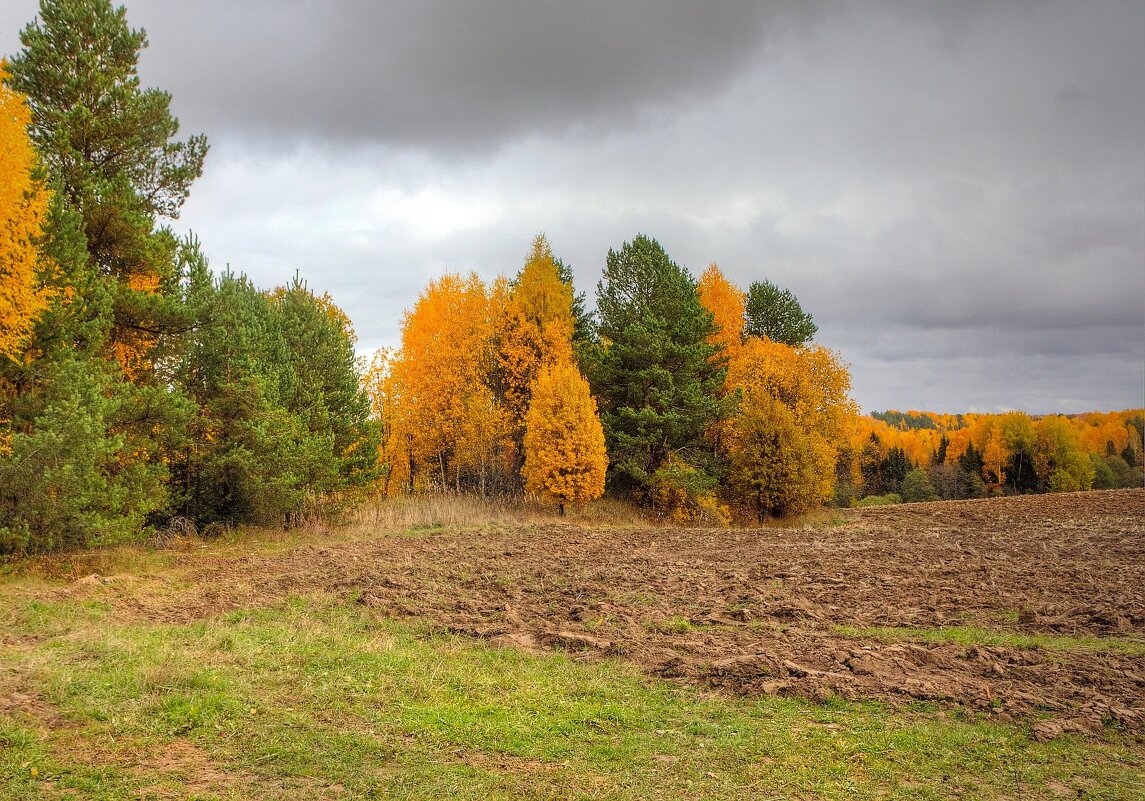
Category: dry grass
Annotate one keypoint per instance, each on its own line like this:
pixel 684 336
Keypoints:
pixel 433 510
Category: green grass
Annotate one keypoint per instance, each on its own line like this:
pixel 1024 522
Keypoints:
pixel 673 625
pixel 970 635
pixel 321 700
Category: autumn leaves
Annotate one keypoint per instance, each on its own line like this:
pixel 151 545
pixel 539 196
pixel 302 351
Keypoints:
pixel 23 211
pixel 485 389
pixel 489 393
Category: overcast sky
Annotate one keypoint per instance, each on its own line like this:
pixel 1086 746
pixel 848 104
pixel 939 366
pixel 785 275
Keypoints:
pixel 955 191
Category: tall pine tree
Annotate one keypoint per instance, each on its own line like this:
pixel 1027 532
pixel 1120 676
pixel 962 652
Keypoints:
pixel 655 374
pixel 109 147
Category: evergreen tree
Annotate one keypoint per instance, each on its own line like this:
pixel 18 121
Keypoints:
pixel 940 454
pixel 970 483
pixel 654 374
pixel 280 420
pixel 871 466
pixel 108 146
pixel 325 388
pixel 82 463
pixel 775 313
pixel 894 468
pixel 64 481
pixel 1021 476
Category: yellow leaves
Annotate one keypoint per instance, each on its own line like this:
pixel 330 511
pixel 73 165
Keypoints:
pixel 131 353
pixel 453 400
pixel 810 381
pixel 23 212
pixel 726 303
pixel 440 416
pixel 565 458
pixel 535 328
pixel 795 414
pixel 147 283
pixel 995 457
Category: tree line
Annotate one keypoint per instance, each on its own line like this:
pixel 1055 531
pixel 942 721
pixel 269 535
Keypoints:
pixel 917 455
pixel 138 386
pixel 699 399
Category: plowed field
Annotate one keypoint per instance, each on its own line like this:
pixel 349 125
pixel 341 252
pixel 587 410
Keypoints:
pixel 1028 609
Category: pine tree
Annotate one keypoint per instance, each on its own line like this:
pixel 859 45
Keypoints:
pixel 107 144
pixel 63 480
pixel 775 314
pixel 655 374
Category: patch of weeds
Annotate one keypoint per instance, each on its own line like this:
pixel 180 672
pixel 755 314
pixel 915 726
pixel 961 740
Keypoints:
pixel 673 625
pixel 638 599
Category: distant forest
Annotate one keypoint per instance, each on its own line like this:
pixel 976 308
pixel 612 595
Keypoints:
pixel 951 456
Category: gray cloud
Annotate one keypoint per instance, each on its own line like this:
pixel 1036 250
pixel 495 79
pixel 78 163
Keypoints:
pixel 447 76
pixel 955 190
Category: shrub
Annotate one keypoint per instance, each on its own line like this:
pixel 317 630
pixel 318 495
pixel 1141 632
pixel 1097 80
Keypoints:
pixel 916 487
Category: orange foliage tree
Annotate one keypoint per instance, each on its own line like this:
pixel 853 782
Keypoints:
pixel 23 211
pixel 795 415
pixel 726 303
pixel 444 417
pixel 565 458
pixel 535 329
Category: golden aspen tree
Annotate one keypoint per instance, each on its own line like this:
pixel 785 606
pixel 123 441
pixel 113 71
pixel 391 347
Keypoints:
pixel 393 448
pixel 795 415
pixel 23 212
pixel 446 354
pixel 995 457
pixel 565 457
pixel 726 303
pixel 536 329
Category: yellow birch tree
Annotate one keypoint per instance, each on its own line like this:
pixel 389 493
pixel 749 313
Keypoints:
pixel 726 303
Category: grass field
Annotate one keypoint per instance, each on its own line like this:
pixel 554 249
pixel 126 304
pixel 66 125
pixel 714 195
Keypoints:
pixel 136 689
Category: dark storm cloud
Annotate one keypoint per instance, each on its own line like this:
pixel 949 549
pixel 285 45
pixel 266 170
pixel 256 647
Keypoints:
pixel 445 75
pixel 955 190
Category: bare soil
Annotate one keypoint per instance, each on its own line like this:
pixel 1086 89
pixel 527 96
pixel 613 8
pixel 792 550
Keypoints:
pixel 764 611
